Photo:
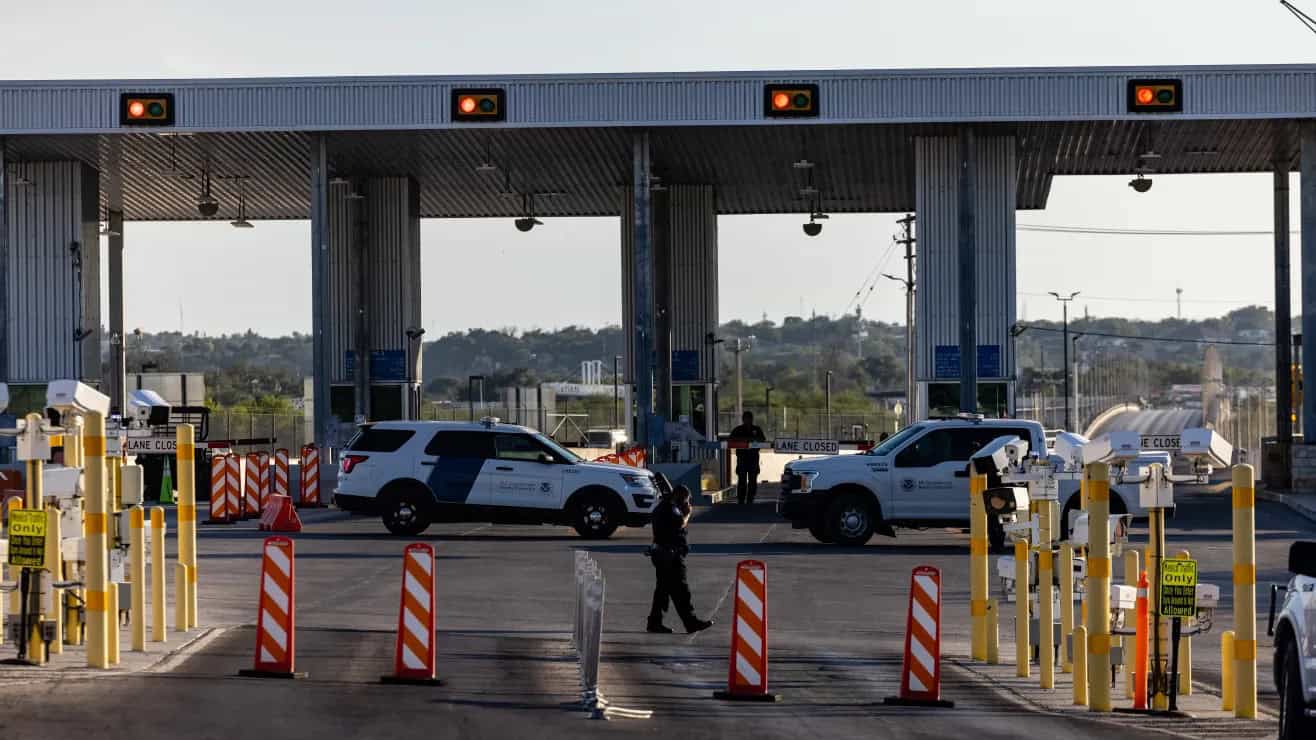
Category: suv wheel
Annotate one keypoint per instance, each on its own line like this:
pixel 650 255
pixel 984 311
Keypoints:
pixel 405 515
pixel 596 516
pixel 819 532
pixel 1293 720
pixel 850 520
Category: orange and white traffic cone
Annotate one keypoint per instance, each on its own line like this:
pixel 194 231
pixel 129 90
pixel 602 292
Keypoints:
pixel 310 476
pixel 280 472
pixel 265 487
pixel 414 658
pixel 920 671
pixel 251 489
pixel 276 622
pixel 747 678
pixel 218 491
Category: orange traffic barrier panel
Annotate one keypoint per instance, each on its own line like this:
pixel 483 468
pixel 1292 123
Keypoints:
pixel 747 678
pixel 280 472
pixel 920 672
pixel 251 486
pixel 310 476
pixel 233 485
pixel 276 618
pixel 219 513
pixel 280 516
pixel 414 657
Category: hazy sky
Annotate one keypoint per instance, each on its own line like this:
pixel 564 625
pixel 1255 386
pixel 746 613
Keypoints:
pixel 221 279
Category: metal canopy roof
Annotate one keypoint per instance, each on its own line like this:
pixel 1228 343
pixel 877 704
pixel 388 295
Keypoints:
pixel 568 138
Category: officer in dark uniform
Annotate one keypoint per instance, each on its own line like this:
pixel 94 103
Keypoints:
pixel 670 518
pixel 747 461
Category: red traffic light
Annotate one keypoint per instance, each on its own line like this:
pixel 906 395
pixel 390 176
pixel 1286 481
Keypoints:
pixel 1155 96
pixel 478 106
pixel 146 109
pixel 790 101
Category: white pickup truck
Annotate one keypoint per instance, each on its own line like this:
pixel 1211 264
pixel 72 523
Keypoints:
pixel 1295 646
pixel 917 478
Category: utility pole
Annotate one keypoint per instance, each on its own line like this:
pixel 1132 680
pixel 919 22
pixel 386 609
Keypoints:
pixel 1178 303
pixel 1064 303
pixel 911 385
pixel 738 348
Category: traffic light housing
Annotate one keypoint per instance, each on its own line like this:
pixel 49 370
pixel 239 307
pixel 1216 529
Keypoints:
pixel 1155 96
pixel 486 105
pixel 790 101
pixel 146 109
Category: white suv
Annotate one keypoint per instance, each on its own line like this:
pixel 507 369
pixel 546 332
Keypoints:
pixel 1295 645
pixel 413 473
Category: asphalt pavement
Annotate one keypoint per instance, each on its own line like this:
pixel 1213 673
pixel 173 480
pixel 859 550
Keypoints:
pixel 505 597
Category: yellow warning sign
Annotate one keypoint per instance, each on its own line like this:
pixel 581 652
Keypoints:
pixel 1178 587
pixel 27 538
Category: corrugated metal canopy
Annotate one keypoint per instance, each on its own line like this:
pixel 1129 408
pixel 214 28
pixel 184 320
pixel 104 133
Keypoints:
pixel 581 171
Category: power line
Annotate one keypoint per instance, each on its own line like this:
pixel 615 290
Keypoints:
pixel 1128 231
pixel 1088 333
pixel 1123 299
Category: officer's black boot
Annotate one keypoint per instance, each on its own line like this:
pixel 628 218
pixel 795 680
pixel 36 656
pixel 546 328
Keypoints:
pixel 697 625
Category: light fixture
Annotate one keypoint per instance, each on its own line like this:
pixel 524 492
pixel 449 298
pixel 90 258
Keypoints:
pixel 206 203
pixel 813 228
pixel 242 222
pixel 1140 184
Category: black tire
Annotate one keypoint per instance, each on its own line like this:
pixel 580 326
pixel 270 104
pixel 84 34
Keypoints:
pixel 819 533
pixel 1294 724
pixel 850 520
pixel 405 513
pixel 596 515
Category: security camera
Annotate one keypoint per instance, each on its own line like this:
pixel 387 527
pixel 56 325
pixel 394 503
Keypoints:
pixel 207 206
pixel 1069 448
pixel 1116 447
pixel 1204 447
pixel 147 406
pixel 1140 184
pixel 72 396
pixel 812 228
pixel 994 458
pixel 526 224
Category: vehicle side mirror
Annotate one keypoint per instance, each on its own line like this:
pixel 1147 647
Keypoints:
pixel 1302 558
pixel 545 459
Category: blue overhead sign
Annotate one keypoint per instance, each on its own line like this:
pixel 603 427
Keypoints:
pixel 685 365
pixel 386 365
pixel 946 361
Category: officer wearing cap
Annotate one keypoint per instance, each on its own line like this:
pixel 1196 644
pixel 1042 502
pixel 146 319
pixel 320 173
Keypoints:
pixel 670 518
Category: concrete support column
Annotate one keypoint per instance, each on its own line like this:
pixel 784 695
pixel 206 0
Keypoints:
pixel 640 274
pixel 1283 314
pixel 117 368
pixel 4 264
pixel 320 291
pixel 1307 200
pixel 373 267
pixel 965 200
pixel 52 306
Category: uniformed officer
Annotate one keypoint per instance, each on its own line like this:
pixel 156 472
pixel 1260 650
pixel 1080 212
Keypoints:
pixel 747 461
pixel 670 518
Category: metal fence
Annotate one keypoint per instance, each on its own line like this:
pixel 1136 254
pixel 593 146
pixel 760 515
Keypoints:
pixel 289 431
pixel 786 421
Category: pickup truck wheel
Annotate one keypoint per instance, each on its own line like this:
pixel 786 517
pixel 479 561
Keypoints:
pixel 819 533
pixel 404 514
pixel 850 520
pixel 597 515
pixel 1293 720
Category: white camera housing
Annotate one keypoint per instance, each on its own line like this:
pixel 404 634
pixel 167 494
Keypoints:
pixel 148 407
pixel 1069 447
pixel 73 396
pixel 1116 447
pixel 1204 447
pixel 994 456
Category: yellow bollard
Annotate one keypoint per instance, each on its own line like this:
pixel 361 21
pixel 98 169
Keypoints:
pixel 1132 569
pixel 36 645
pixel 97 598
pixel 1185 648
pixel 112 637
pixel 137 565
pixel 157 574
pixel 186 458
pixel 1021 646
pixel 180 597
pixel 1066 607
pixel 1080 666
pixel 1046 647
pixel 978 565
pixel 1227 671
pixel 73 626
pixel 993 632
pixel 54 569
pixel 15 572
pixel 1098 587
pixel 1245 593
pixel 1159 649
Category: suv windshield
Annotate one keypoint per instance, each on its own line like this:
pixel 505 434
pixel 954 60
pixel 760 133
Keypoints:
pixel 895 441
pixel 558 449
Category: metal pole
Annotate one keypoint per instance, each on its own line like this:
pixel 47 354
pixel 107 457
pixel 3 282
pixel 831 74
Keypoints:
pixel 118 370
pixel 740 384
pixel 1307 188
pixel 98 621
pixel 642 293
pixel 1069 421
pixel 1245 567
pixel 829 405
pixel 321 321
pixel 157 574
pixel 616 390
pixel 767 402
pixel 1021 579
pixel 968 275
pixel 978 566
pixel 186 591
pixel 1097 477
pixel 1283 311
pixel 4 262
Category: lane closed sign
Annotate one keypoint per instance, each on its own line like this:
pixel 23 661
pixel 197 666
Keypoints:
pixel 792 446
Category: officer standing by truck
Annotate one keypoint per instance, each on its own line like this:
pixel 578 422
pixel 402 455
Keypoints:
pixel 747 461
pixel 670 518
